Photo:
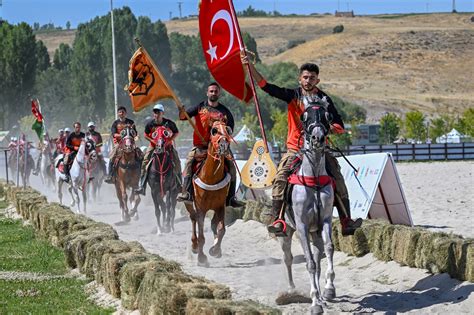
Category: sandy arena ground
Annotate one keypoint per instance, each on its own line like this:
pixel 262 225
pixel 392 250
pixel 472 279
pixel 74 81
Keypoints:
pixel 440 196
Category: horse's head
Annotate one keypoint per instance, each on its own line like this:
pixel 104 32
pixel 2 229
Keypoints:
pixel 90 148
pixel 162 138
pixel 128 135
pixel 316 121
pixel 220 137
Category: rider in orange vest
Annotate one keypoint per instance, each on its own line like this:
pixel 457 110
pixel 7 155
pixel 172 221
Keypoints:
pixel 73 143
pixel 295 98
pixel 97 137
pixel 115 131
pixel 210 104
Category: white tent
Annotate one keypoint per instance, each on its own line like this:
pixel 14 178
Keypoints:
pixel 245 134
pixel 453 136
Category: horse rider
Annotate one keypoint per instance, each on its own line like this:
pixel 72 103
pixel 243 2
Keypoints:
pixel 97 137
pixel 59 143
pixel 211 104
pixel 73 142
pixel 157 121
pixel 13 144
pixel 115 131
pixel 67 132
pixel 41 145
pixel 295 98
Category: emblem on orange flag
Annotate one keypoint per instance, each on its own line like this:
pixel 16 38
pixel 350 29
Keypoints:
pixel 146 84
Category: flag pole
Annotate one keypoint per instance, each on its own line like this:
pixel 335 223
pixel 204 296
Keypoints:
pixel 252 85
pixel 113 58
pixel 175 98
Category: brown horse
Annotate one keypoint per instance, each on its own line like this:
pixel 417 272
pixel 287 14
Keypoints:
pixel 128 174
pixel 211 185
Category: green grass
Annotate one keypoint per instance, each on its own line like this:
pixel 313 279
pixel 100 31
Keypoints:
pixel 22 251
pixel 58 296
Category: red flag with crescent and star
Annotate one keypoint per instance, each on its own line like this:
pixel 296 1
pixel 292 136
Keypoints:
pixel 220 43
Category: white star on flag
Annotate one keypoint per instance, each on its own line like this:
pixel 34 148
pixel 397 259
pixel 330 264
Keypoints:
pixel 212 52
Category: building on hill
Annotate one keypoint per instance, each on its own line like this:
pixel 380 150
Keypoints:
pixel 344 13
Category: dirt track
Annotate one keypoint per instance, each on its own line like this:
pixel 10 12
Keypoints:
pixel 251 262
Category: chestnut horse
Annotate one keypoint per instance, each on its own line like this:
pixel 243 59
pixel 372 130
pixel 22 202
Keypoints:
pixel 162 180
pixel 128 173
pixel 211 185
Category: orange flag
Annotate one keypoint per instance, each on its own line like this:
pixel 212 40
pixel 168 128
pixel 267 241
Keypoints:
pixel 146 84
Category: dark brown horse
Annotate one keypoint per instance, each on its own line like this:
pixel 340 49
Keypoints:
pixel 211 185
pixel 162 180
pixel 128 174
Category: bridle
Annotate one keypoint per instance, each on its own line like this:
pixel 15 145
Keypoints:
pixel 127 139
pixel 220 139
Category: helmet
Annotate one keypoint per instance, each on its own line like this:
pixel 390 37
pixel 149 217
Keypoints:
pixel 91 123
pixel 60 130
pixel 159 107
pixel 67 130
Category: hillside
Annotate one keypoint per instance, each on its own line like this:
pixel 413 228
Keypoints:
pixel 384 63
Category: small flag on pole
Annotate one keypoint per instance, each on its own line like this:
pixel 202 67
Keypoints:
pixel 38 125
pixel 146 84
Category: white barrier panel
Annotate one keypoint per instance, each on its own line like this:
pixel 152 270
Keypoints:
pixel 376 190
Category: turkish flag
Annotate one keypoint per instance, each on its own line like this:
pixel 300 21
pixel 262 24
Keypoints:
pixel 220 44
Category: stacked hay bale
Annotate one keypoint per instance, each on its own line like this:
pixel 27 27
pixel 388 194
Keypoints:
pixel 142 280
pixel 410 246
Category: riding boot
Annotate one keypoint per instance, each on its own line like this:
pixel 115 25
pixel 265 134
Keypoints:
pixel 141 190
pixel 276 227
pixel 186 194
pixel 66 173
pixel 348 226
pixel 232 201
pixel 110 174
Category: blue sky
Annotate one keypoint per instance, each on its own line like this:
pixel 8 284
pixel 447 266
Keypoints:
pixel 77 11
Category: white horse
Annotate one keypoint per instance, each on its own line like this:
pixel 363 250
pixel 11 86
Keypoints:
pixel 312 204
pixel 80 174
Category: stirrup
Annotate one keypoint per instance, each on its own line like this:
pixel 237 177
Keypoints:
pixel 185 198
pixel 276 230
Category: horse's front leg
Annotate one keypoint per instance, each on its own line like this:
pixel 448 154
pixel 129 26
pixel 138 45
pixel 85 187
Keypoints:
pixel 202 258
pixel 285 243
pixel 124 202
pixel 218 227
pixel 329 289
pixel 84 200
pixel 158 208
pixel 193 216
pixel 60 191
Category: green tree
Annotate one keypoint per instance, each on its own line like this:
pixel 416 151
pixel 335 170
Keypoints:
pixel 466 123
pixel 280 127
pixel 438 127
pixel 389 128
pixel 42 57
pixel 251 45
pixel 62 57
pixel 68 25
pixel 18 67
pixel 415 125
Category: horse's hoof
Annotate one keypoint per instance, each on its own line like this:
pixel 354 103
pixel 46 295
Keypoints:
pixel 135 217
pixel 329 294
pixel 317 309
pixel 203 262
pixel 215 252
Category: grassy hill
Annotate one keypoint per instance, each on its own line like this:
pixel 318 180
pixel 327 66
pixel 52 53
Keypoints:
pixel 385 63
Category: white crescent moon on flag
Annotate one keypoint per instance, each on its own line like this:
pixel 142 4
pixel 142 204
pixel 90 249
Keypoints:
pixel 225 15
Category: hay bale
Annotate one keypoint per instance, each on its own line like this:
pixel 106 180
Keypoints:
pixel 132 274
pixel 92 263
pixel 404 244
pixel 112 263
pixel 469 272
pixel 213 307
pixel 160 293
pixel 77 243
pixel 232 214
pixel 254 210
